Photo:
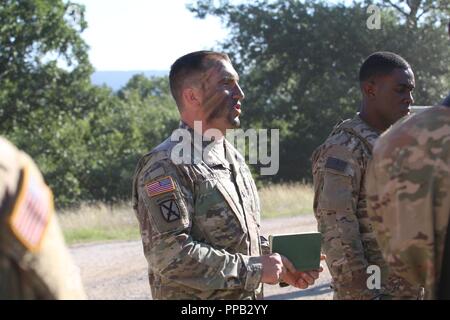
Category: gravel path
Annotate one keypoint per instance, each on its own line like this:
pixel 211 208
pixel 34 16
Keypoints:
pixel 118 270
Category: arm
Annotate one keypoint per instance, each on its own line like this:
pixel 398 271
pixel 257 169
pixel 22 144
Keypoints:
pixel 337 177
pixel 265 246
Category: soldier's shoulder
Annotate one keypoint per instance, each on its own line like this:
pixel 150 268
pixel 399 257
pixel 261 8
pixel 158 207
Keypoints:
pixel 9 153
pixel 432 123
pixel 158 161
pixel 416 132
pixel 11 167
pixel 161 152
pixel 340 144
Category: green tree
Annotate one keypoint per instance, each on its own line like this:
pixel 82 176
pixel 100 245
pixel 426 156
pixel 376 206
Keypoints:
pixel 86 139
pixel 299 63
pixel 36 35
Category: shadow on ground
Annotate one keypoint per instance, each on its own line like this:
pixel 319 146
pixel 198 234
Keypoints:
pixel 294 295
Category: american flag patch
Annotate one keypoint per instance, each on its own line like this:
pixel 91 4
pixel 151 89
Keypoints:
pixel 32 212
pixel 160 186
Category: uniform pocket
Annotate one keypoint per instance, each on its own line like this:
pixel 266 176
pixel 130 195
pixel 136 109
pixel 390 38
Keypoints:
pixel 337 191
pixel 214 216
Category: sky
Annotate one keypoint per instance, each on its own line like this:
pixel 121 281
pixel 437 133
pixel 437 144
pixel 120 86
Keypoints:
pixel 138 35
pixel 128 35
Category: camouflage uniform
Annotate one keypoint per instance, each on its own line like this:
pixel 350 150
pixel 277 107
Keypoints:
pixel 34 261
pixel 408 186
pixel 339 166
pixel 200 223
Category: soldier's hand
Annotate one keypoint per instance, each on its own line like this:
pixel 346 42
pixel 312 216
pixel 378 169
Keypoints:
pixel 299 279
pixel 272 268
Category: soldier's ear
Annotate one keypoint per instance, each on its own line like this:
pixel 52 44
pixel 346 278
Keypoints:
pixel 191 97
pixel 368 89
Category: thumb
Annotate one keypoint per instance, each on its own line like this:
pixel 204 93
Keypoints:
pixel 288 264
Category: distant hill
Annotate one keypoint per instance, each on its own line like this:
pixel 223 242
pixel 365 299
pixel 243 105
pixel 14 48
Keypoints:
pixel 117 79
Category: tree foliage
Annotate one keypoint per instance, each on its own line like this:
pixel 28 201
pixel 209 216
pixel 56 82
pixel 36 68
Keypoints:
pixel 299 63
pixel 85 139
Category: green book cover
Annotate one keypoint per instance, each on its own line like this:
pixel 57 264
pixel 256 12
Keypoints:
pixel 302 249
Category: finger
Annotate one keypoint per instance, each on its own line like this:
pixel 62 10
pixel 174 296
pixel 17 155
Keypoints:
pixel 314 274
pixel 289 279
pixel 289 266
pixel 301 284
pixel 305 276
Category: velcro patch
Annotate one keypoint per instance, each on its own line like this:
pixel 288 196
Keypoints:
pixel 336 164
pixel 32 211
pixel 169 210
pixel 160 186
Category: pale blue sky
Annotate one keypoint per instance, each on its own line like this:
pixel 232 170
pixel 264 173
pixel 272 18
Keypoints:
pixel 129 35
pixel 145 34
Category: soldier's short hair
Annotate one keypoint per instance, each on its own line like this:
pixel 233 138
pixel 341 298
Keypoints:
pixel 189 65
pixel 381 63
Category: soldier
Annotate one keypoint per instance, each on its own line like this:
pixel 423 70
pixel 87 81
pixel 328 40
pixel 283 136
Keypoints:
pixel 34 261
pixel 408 182
pixel 200 218
pixel 338 166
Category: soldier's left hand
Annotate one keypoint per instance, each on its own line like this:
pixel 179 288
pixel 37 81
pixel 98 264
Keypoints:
pixel 299 279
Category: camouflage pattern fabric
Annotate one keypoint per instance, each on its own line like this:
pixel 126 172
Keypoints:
pixel 200 223
pixel 408 184
pixel 339 166
pixel 34 261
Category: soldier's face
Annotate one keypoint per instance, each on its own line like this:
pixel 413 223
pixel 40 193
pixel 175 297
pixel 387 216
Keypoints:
pixel 393 94
pixel 221 96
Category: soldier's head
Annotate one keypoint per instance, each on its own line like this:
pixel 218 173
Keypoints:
pixel 205 87
pixel 386 82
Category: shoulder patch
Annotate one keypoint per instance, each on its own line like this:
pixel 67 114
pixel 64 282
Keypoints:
pixel 169 210
pixel 32 211
pixel 336 164
pixel 160 186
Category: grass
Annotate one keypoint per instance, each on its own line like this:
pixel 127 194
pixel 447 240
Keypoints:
pixel 282 200
pixel 99 222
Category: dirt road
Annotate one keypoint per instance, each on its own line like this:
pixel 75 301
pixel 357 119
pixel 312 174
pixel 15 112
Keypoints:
pixel 118 270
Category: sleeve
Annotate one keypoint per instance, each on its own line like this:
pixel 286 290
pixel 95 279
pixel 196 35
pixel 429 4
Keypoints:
pixel 406 245
pixel 165 212
pixel 33 248
pixel 265 246
pixel 337 177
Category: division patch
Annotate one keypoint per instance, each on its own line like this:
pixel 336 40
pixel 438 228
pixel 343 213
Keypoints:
pixel 169 210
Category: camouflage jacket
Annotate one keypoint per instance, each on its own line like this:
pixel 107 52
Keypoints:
pixel 408 186
pixel 338 167
pixel 199 221
pixel 34 261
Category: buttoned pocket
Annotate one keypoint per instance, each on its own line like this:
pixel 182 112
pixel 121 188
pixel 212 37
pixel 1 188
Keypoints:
pixel 215 217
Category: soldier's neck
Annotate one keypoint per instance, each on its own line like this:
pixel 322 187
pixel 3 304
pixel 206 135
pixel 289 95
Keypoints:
pixel 371 119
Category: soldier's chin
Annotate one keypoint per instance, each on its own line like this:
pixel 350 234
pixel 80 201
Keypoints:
pixel 235 122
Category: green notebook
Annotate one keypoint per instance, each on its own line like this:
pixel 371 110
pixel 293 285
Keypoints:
pixel 302 249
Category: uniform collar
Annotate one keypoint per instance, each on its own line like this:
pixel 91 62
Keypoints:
pixel 202 147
